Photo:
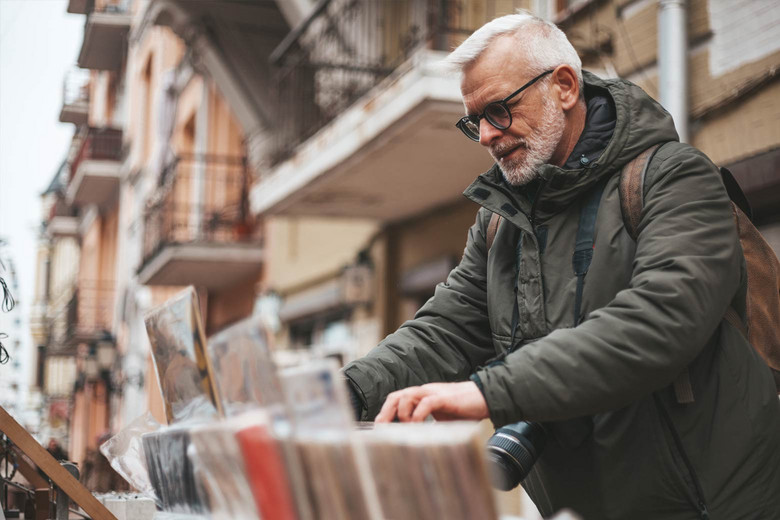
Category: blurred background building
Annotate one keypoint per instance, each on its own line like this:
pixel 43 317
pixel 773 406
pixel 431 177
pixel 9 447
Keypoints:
pixel 13 390
pixel 298 159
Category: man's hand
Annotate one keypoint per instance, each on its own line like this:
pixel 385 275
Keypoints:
pixel 446 401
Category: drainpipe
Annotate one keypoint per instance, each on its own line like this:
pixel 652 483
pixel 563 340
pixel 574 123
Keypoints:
pixel 673 62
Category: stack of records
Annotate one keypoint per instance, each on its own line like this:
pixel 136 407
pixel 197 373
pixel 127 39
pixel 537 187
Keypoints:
pixel 220 471
pixel 430 471
pixel 268 475
pixel 333 460
pixel 339 484
pixel 170 470
pixel 248 441
pixel 189 393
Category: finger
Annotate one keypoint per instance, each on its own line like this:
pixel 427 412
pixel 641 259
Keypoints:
pixel 406 405
pixel 426 406
pixel 387 413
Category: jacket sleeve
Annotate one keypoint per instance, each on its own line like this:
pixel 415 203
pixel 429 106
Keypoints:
pixel 447 339
pixel 686 270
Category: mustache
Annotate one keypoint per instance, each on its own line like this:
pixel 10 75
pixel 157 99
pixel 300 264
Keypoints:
pixel 501 148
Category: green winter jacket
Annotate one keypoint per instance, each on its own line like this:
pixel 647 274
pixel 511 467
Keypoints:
pixel 650 308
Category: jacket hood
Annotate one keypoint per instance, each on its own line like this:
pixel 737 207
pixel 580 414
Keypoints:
pixel 641 122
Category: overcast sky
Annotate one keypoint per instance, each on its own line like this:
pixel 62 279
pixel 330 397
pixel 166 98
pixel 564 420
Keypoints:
pixel 39 42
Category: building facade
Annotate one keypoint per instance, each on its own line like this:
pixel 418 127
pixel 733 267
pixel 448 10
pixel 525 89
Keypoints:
pixel 152 197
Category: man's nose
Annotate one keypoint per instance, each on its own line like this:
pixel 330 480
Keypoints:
pixel 488 133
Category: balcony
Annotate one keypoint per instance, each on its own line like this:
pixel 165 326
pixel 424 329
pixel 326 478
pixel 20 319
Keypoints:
pixel 105 35
pixel 85 317
pixel 94 172
pixel 63 220
pixel 198 229
pixel 80 6
pixel 368 124
pixel 75 97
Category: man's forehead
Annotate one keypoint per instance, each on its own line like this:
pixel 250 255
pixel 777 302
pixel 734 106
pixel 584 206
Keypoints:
pixel 499 67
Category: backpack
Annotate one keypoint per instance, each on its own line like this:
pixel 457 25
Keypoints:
pixel 762 306
pixel 762 326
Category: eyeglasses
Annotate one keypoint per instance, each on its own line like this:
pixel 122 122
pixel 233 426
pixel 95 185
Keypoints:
pixel 496 113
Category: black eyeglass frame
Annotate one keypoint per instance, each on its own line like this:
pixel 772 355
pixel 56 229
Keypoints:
pixel 476 118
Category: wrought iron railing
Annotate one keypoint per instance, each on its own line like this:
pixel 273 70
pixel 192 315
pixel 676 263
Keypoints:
pixel 75 86
pixel 98 144
pixel 61 208
pixel 202 199
pixel 347 46
pixel 112 6
pixel 87 314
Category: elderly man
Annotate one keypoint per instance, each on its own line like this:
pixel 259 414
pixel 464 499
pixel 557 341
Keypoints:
pixel 514 334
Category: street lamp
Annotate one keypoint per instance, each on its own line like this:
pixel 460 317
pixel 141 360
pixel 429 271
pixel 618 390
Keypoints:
pixel 91 367
pixel 106 355
pixel 100 359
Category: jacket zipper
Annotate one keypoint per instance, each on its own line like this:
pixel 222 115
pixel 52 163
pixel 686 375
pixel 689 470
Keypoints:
pixel 531 220
pixel 698 491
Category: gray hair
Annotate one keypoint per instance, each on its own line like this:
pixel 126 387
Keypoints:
pixel 544 45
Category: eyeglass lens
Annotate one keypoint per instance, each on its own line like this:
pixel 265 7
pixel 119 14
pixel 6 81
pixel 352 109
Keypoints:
pixel 498 115
pixel 495 113
pixel 471 129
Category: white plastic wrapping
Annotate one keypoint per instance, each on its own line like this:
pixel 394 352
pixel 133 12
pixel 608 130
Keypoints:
pixel 125 453
pixel 183 369
pixel 244 370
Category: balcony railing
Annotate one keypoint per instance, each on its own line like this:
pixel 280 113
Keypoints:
pixel 89 6
pixel 347 46
pixel 61 208
pixel 86 316
pixel 75 97
pixel 204 200
pixel 95 170
pixel 112 6
pixel 99 144
pixel 63 219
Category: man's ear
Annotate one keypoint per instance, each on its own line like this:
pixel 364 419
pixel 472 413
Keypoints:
pixel 568 89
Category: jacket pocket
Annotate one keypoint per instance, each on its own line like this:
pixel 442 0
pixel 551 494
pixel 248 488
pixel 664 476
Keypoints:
pixel 681 471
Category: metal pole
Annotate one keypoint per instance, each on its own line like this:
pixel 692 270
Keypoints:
pixel 63 500
pixel 673 62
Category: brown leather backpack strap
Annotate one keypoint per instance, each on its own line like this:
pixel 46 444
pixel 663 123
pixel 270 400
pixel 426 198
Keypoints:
pixel 732 317
pixel 631 190
pixel 683 390
pixel 632 181
pixel 492 228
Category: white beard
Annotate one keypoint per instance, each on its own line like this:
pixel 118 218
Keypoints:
pixel 539 147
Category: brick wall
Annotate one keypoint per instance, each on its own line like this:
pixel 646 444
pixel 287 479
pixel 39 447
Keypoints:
pixel 743 31
pixel 743 129
pixel 734 53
